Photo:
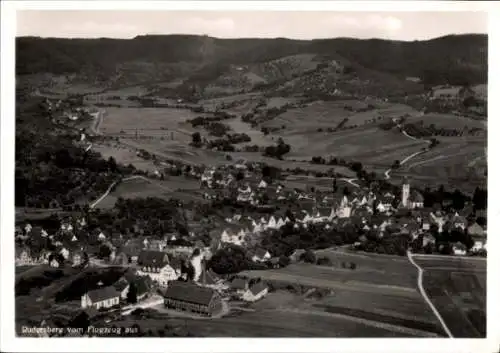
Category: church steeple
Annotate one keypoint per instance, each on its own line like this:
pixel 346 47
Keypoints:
pixel 405 192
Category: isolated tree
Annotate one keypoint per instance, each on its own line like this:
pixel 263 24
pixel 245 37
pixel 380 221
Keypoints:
pixel 112 164
pixel 308 257
pixel 458 200
pixel 196 139
pixel 132 293
pixel 104 252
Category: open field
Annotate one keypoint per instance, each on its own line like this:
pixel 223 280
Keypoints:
pixel 147 121
pixel 329 114
pixel 306 182
pixel 448 121
pixel 382 290
pixel 338 278
pixel 457 287
pixel 275 323
pixel 143 188
pixel 175 150
pixel 123 155
pixel 368 145
pixel 258 138
pixel 455 163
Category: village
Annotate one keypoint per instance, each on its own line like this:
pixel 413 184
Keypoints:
pixel 170 272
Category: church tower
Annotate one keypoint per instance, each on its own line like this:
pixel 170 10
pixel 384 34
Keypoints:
pixel 405 193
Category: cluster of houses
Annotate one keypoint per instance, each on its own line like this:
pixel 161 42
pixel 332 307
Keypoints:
pixel 381 213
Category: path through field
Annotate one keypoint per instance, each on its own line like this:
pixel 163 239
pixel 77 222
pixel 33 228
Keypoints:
pixel 103 196
pixel 388 171
pixel 424 294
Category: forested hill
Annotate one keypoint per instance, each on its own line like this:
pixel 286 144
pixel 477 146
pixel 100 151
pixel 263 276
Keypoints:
pixel 450 58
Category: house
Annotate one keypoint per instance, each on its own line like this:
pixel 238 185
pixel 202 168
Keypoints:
pixel 244 194
pixel 152 261
pixel 239 285
pixel 261 255
pixel 122 286
pixel 262 184
pixel 121 258
pixel 77 258
pixel 101 236
pixel 209 279
pixel 255 292
pixel 475 230
pixel 23 256
pixel 56 260
pixel 459 249
pixel 479 245
pixel 416 200
pixel 280 223
pixel 101 298
pixel 184 296
pixel 295 257
pixel 459 222
pixel 272 223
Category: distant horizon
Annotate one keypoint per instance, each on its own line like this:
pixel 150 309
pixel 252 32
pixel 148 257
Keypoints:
pixel 247 38
pixel 293 25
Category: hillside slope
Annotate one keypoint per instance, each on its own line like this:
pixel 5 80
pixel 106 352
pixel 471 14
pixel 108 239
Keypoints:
pixel 200 60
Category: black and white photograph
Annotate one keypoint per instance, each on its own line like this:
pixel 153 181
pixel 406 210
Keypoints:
pixel 263 172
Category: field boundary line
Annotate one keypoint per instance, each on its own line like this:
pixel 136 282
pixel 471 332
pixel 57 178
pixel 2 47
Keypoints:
pixel 430 256
pixel 424 294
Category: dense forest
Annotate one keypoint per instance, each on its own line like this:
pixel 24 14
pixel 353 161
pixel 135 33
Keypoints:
pixel 455 59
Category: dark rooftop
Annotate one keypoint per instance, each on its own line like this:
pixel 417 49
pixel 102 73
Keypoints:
pixel 189 292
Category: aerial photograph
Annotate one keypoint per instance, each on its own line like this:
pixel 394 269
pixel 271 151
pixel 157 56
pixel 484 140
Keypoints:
pixel 250 174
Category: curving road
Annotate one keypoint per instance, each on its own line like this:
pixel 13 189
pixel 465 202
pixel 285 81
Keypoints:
pixel 106 193
pixel 351 181
pixel 388 171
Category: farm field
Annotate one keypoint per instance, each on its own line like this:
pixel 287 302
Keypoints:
pixel 328 114
pixel 368 145
pixel 448 121
pixel 455 163
pixel 275 323
pixel 339 278
pixel 381 290
pixel 457 287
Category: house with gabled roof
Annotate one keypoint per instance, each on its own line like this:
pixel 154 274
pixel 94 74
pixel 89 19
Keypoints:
pixel 272 223
pixel 255 292
pixel 185 296
pixel 152 261
pixel 106 298
pixel 261 255
pixel 239 285
pixel 459 249
pixel 475 230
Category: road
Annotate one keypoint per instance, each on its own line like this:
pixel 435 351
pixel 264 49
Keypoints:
pixel 424 294
pixel 351 181
pixel 106 193
pixel 388 171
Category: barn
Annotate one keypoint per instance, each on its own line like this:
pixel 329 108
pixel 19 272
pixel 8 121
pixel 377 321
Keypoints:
pixel 185 296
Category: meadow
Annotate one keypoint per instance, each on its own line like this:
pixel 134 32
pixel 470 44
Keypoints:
pixel 457 287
